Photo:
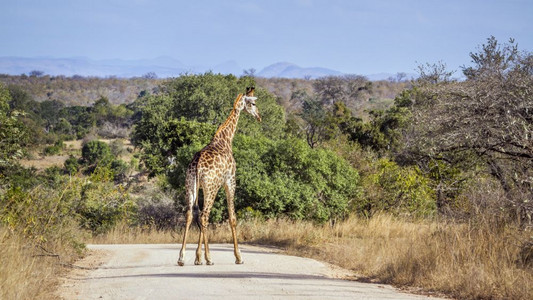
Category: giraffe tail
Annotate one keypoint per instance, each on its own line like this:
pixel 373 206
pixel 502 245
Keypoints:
pixel 196 215
pixel 197 204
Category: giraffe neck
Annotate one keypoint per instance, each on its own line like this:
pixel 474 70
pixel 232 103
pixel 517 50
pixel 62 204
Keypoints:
pixel 225 132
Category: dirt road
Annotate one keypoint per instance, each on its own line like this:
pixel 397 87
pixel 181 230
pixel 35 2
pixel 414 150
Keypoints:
pixel 151 272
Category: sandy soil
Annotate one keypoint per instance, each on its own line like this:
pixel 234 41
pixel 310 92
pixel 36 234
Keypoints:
pixel 149 271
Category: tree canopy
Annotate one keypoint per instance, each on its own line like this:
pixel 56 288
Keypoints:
pixel 277 174
pixel 13 135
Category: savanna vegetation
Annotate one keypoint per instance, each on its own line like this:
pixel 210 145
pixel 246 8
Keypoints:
pixel 424 183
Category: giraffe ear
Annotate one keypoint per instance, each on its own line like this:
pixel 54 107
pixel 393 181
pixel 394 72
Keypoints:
pixel 250 91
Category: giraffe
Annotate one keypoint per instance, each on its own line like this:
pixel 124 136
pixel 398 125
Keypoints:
pixel 210 168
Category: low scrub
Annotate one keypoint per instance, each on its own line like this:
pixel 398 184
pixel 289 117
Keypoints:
pixel 38 237
pixel 40 224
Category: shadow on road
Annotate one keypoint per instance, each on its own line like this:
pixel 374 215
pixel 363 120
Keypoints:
pixel 224 275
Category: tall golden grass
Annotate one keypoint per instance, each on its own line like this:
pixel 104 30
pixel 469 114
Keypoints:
pixel 467 261
pixel 27 271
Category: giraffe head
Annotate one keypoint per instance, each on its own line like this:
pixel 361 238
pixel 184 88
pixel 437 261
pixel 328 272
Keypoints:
pixel 249 103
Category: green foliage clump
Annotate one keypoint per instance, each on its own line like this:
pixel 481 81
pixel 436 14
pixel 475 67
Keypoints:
pixel 208 99
pixel 13 134
pixel 163 139
pixel 103 205
pixel 287 177
pixel 54 149
pixel 72 165
pixel 119 168
pixel 403 190
pixel 44 212
pixel 56 205
pixel 96 152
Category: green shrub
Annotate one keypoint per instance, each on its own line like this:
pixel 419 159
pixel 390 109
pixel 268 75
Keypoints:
pixel 287 177
pixel 13 132
pixel 119 168
pixel 402 190
pixel 103 205
pixel 134 164
pixel 96 152
pixel 72 165
pixel 55 149
pixel 249 213
pixel 44 212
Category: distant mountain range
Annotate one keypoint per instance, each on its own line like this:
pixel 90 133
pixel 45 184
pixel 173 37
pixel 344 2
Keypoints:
pixel 161 66
pixel 289 70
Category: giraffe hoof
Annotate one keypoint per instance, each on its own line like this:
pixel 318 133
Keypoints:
pixel 209 263
pixel 180 263
pixel 239 261
pixel 198 263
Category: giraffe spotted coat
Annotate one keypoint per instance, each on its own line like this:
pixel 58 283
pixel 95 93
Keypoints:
pixel 210 169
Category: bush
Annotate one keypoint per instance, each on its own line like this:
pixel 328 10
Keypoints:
pixel 287 177
pixel 72 165
pixel 103 205
pixel 55 149
pixel 119 168
pixel 35 223
pixel 397 189
pixel 13 133
pixel 96 153
pixel 44 212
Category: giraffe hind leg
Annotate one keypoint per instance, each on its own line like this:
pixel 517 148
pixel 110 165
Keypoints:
pixel 191 195
pixel 209 197
pixel 204 223
pixel 188 221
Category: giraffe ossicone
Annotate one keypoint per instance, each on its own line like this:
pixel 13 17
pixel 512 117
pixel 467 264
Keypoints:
pixel 211 168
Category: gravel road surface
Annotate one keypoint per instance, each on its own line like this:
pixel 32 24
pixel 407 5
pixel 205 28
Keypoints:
pixel 149 271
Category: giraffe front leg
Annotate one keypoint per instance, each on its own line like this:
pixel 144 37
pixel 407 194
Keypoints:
pixel 236 251
pixel 230 193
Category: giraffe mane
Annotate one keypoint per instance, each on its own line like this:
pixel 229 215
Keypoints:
pixel 237 101
pixel 239 97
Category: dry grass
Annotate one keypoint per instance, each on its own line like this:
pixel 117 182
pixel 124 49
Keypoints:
pixel 467 261
pixel 43 162
pixel 26 271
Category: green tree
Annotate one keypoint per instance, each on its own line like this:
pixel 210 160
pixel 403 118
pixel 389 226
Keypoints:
pixel 101 109
pixel 317 126
pixel 49 112
pixel 287 177
pixel 190 111
pixel 13 135
pixel 21 100
pixel 276 174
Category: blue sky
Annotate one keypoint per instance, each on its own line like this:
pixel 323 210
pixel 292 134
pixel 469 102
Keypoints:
pixel 358 37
